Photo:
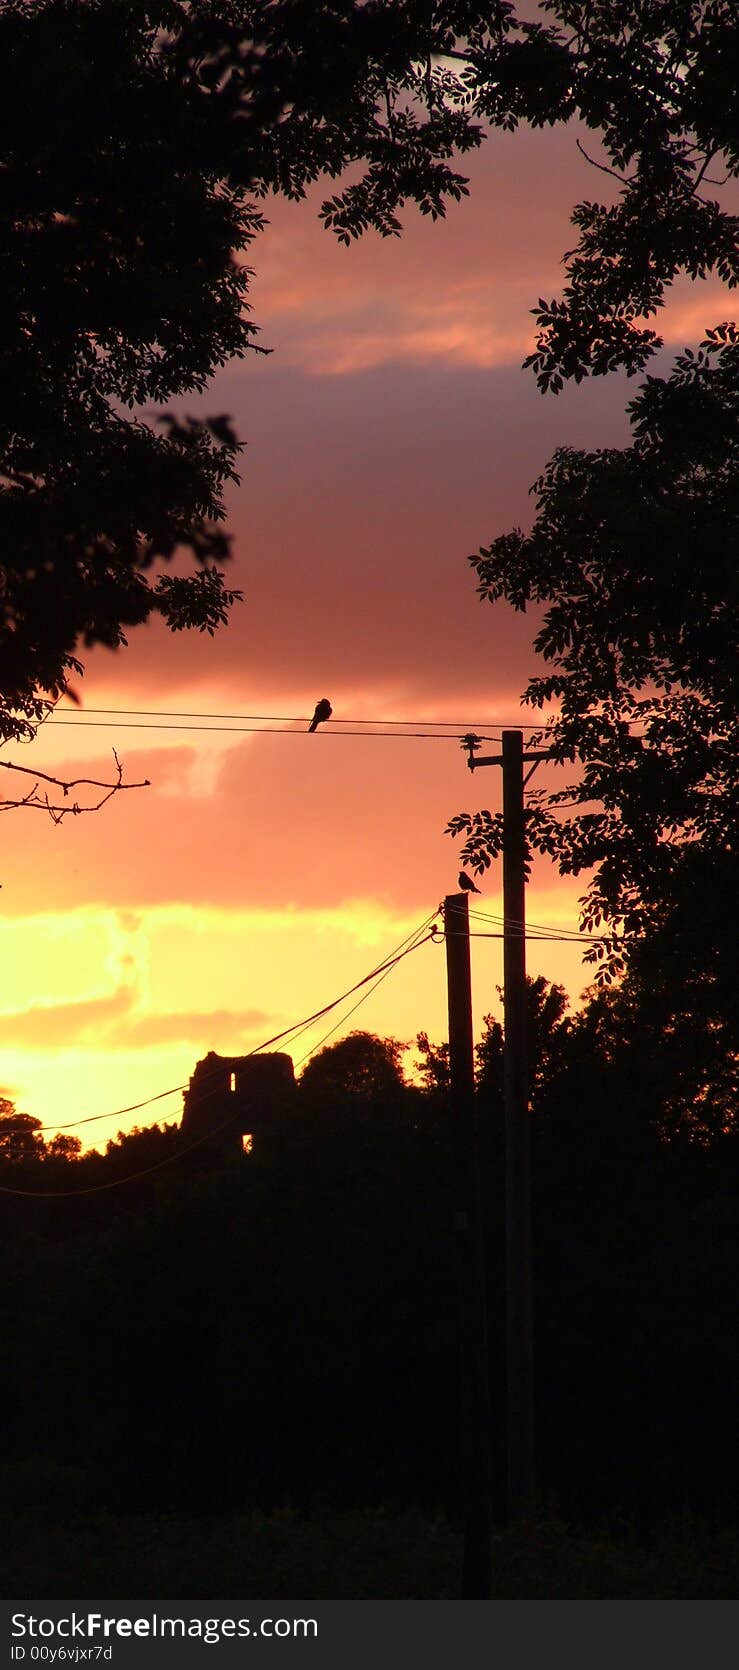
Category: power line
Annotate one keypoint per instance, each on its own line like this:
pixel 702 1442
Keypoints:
pixel 116 1114
pixel 244 724
pixel 365 995
pixel 383 969
pixel 298 1027
pixel 344 1018
pixel 117 1182
pixel 300 718
pixel 296 1030
pixel 546 939
pixel 257 730
pixel 169 1159
pixel 546 929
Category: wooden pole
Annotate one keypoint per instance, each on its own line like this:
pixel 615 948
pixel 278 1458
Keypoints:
pixel 519 1308
pixel 475 1412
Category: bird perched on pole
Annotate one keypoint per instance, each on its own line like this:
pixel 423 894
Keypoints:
pixel 323 711
pixel 466 883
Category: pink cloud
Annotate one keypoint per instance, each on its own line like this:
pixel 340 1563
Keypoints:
pixel 196 1027
pixel 51 1025
pixel 459 292
pixel 112 1020
pixel 361 499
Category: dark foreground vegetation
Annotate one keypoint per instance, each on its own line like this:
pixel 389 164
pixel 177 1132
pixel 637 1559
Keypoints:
pixel 368 1555
pixel 251 1368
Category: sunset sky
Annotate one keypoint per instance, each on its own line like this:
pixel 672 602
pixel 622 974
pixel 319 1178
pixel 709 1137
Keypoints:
pixel 390 433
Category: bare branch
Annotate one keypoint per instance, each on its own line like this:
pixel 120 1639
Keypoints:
pixel 40 800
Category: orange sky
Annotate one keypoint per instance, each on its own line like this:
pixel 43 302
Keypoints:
pixel 391 432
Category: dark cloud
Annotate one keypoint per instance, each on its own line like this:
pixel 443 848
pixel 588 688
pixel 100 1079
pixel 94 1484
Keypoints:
pixel 362 498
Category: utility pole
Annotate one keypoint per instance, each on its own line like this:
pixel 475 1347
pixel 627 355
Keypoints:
pixel 519 1307
pixel 475 1410
pixel 521 1483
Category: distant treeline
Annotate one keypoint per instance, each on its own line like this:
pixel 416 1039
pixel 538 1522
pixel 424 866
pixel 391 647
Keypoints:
pixel 282 1330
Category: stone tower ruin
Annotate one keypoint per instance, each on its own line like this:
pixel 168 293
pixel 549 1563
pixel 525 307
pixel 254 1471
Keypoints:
pixel 231 1097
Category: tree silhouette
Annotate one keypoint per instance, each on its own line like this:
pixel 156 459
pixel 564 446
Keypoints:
pixel 678 1009
pixel 633 556
pixel 121 288
pixel 20 1140
pixel 136 143
pixel 395 94
pixel 63 1148
pixel 432 1065
pixel 358 1072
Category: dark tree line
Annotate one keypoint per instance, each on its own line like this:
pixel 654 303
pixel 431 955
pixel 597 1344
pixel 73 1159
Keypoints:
pixel 282 1330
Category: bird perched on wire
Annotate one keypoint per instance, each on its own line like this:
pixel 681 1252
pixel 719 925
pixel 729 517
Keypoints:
pixel 466 883
pixel 323 711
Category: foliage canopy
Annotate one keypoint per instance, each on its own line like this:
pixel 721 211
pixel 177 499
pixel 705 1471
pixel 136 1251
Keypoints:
pixel 633 556
pixel 136 142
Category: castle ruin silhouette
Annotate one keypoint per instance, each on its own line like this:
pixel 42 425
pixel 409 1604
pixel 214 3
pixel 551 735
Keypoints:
pixel 231 1097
